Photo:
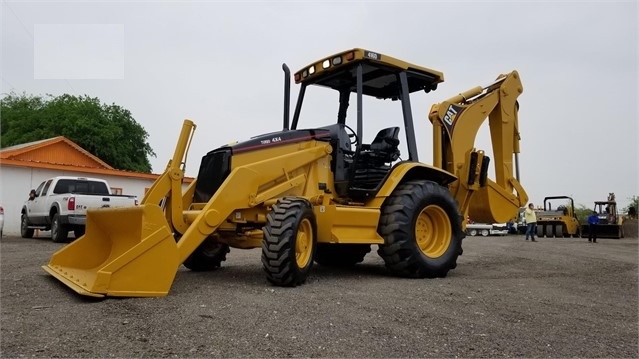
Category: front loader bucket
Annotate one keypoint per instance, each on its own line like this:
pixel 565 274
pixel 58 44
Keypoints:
pixel 604 231
pixel 128 251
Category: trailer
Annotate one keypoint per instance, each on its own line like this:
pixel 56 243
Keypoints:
pixel 485 229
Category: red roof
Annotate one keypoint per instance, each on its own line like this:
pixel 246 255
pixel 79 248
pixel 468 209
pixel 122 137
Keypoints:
pixel 60 153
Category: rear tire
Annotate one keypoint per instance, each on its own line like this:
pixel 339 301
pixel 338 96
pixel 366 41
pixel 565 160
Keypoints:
pixel 290 236
pixel 59 232
pixel 422 230
pixel 485 232
pixel 340 255
pixel 473 232
pixel 208 256
pixel 559 231
pixel 25 231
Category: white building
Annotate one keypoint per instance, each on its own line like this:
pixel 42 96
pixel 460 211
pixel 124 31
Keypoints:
pixel 23 167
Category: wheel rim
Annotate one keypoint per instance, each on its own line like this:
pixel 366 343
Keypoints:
pixel 473 232
pixel 54 228
pixel 484 232
pixel 304 243
pixel 433 231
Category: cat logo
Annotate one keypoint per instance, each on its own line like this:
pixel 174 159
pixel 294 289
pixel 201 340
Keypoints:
pixel 450 115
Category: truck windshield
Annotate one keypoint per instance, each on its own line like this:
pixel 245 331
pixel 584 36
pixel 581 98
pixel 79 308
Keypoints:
pixel 80 186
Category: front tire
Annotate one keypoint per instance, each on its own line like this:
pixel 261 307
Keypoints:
pixel 25 231
pixel 422 229
pixel 59 231
pixel 290 237
pixel 207 256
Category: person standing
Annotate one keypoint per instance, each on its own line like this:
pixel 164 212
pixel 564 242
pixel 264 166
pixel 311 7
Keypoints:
pixel 593 220
pixel 531 222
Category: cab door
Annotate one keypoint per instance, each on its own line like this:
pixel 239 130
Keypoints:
pixel 38 207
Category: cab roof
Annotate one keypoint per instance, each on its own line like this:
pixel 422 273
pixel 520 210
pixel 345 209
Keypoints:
pixel 379 74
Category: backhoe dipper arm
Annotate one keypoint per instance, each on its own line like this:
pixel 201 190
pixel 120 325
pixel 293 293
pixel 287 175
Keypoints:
pixel 456 123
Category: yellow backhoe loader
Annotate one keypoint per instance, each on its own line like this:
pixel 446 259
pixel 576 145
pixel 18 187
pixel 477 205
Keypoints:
pixel 610 221
pixel 316 195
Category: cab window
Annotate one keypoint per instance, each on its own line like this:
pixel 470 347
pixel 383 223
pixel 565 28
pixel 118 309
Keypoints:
pixel 46 187
pixel 39 189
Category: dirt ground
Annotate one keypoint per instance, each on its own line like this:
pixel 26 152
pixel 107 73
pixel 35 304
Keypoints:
pixel 507 298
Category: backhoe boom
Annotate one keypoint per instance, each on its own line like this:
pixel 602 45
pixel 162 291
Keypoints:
pixel 456 123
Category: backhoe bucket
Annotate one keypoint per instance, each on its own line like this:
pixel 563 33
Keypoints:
pixel 492 204
pixel 128 251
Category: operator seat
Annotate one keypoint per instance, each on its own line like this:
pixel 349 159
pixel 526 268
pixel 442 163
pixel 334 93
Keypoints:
pixel 383 149
pixel 372 163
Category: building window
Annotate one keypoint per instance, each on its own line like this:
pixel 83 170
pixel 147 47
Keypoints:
pixel 116 190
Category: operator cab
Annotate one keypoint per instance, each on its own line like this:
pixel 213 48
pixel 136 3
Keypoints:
pixel 359 168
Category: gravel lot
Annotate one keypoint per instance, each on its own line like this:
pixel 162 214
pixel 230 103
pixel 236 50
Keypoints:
pixel 507 298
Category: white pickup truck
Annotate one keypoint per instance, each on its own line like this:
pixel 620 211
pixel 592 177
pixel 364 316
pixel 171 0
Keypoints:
pixel 60 205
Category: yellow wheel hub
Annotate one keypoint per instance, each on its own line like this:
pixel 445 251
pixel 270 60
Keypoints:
pixel 304 243
pixel 433 231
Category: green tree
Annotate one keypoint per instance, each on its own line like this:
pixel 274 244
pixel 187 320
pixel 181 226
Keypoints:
pixel 634 202
pixel 106 131
pixel 582 212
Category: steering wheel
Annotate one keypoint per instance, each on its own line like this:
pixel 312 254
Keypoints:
pixel 352 136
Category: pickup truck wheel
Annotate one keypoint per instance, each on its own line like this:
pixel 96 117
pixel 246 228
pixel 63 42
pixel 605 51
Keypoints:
pixel 25 231
pixel 78 232
pixel 290 237
pixel 422 230
pixel 59 231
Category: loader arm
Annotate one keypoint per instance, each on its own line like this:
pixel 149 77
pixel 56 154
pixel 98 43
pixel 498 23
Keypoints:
pixel 243 188
pixel 456 123
pixel 139 256
pixel 168 187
